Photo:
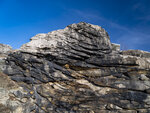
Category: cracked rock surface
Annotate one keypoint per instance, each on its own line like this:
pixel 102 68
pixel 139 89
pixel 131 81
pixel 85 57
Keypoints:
pixel 74 70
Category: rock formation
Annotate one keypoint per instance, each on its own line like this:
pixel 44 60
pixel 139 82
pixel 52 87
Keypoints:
pixel 74 70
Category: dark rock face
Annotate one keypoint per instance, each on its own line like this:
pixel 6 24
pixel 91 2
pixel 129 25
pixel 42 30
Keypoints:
pixel 75 70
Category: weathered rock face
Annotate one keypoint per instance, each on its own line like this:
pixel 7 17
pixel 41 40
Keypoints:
pixel 5 49
pixel 76 41
pixel 75 70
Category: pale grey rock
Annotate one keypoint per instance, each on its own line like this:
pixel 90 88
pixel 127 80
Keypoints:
pixel 8 91
pixel 115 47
pixel 5 49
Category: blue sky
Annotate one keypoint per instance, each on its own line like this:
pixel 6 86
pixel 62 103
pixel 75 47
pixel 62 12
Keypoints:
pixel 126 21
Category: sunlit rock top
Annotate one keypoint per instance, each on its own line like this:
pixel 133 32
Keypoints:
pixel 82 38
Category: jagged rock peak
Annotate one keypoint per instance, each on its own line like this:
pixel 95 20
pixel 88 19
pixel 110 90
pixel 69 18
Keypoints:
pixel 82 38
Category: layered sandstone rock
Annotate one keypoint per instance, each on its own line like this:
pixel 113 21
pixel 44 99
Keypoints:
pixel 75 70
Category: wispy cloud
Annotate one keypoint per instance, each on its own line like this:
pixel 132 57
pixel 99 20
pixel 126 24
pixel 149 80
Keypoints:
pixel 86 14
pixel 137 6
pixel 142 8
pixel 145 18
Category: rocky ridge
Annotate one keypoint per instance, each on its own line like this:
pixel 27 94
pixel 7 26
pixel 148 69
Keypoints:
pixel 74 70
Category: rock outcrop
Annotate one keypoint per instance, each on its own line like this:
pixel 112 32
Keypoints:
pixel 74 70
pixel 4 49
